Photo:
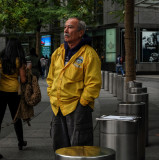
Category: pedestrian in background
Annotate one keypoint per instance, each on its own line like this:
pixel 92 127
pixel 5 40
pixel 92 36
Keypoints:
pixel 46 66
pixel 119 65
pixel 35 63
pixel 74 81
pixel 12 66
pixel 43 66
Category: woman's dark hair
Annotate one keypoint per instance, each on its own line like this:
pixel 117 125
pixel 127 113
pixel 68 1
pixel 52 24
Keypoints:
pixel 33 52
pixel 12 51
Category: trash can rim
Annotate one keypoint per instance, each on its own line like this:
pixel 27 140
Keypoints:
pixel 110 151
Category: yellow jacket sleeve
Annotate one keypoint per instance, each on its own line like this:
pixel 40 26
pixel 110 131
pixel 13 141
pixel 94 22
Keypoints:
pixel 92 79
pixel 50 77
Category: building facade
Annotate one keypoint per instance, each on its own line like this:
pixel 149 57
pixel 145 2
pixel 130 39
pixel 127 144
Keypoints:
pixel 108 38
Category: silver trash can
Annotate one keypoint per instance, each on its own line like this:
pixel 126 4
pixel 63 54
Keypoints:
pixel 135 109
pixel 84 153
pixel 120 134
pixel 142 97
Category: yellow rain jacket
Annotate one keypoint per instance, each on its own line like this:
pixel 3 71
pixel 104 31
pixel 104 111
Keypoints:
pixel 78 80
pixel 9 83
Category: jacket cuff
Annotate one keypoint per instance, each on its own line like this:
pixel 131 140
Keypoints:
pixel 84 102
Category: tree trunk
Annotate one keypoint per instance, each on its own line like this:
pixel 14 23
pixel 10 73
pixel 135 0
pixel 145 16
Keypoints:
pixel 129 41
pixel 38 41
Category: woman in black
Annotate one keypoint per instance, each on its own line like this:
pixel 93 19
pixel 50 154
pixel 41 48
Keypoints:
pixel 12 68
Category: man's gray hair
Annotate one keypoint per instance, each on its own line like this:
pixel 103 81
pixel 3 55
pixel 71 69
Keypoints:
pixel 81 24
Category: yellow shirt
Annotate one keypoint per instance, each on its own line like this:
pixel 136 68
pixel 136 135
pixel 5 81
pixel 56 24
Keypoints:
pixel 78 80
pixel 9 83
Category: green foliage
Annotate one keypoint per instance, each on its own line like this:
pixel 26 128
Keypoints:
pixel 31 15
pixel 118 14
pixel 83 9
pixel 117 1
pixel 23 15
pixel 13 14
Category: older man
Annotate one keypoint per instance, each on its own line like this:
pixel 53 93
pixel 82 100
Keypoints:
pixel 74 81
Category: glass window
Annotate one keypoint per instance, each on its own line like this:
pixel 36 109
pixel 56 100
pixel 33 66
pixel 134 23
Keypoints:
pixel 111 45
pixel 98 41
pixel 150 46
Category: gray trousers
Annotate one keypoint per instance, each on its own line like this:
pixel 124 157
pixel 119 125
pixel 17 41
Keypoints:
pixel 74 129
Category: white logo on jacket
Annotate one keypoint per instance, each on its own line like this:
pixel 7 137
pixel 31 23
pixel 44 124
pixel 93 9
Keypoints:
pixel 78 62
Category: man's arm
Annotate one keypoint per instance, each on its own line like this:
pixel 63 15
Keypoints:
pixel 49 79
pixel 92 80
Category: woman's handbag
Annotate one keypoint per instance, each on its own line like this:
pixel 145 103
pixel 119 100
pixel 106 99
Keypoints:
pixel 32 92
pixel 30 97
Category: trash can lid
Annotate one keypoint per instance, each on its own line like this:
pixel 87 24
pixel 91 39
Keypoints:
pixel 118 118
pixel 85 152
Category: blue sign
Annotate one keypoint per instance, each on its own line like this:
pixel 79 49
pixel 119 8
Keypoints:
pixel 46 45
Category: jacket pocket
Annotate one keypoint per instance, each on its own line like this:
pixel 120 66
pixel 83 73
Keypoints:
pixel 74 73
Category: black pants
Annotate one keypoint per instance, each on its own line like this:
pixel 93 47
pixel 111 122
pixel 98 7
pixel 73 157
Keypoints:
pixel 12 100
pixel 75 129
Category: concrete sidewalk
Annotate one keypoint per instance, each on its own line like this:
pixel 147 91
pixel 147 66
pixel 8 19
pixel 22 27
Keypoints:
pixel 38 137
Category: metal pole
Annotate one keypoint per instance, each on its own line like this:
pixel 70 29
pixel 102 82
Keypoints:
pixel 115 84
pixel 134 84
pixel 106 81
pixel 102 74
pixel 111 83
pixel 119 87
pixel 137 90
pixel 124 91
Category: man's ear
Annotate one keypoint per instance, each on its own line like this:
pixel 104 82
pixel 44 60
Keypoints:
pixel 81 33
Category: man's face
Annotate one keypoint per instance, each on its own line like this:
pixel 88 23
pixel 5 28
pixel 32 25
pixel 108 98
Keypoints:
pixel 71 32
